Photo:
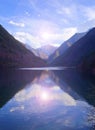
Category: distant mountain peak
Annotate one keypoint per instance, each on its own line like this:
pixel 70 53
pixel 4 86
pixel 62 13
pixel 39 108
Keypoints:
pixel 44 51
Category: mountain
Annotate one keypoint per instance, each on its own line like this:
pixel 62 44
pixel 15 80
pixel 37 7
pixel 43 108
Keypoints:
pixel 65 46
pixel 43 52
pixel 78 52
pixel 31 49
pixel 14 54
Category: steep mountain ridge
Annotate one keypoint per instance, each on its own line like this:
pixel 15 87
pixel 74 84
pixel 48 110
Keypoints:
pixel 14 54
pixel 67 44
pixel 78 51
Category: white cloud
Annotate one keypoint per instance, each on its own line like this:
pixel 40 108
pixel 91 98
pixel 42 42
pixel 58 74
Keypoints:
pixel 16 24
pixel 37 40
pixel 64 10
pixel 40 32
pixel 64 34
pixel 89 12
pixel 68 32
pixel 28 38
pixel 52 25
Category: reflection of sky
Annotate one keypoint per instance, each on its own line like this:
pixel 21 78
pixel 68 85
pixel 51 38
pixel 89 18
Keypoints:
pixel 28 110
pixel 40 22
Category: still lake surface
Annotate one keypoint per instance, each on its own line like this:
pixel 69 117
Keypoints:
pixel 44 99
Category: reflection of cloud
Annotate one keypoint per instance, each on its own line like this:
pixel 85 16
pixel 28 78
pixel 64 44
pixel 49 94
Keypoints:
pixel 55 88
pixel 62 110
pixel 67 99
pixel 17 108
pixel 54 94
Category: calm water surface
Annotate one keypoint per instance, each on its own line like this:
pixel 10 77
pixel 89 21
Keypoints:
pixel 41 100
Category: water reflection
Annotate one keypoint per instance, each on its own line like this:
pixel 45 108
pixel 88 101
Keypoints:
pixel 43 105
pixel 84 85
pixel 11 81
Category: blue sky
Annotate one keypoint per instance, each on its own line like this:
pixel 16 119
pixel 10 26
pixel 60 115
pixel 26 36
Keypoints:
pixel 41 22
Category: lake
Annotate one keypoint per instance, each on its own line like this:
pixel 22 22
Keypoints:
pixel 46 99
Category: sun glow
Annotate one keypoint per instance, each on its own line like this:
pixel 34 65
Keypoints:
pixel 46 35
pixel 44 96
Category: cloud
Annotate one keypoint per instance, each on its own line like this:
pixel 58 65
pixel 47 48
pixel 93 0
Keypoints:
pixel 64 34
pixel 16 24
pixel 28 38
pixel 65 10
pixel 89 12
pixel 33 30
pixel 55 10
pixel 37 40
pixel 68 32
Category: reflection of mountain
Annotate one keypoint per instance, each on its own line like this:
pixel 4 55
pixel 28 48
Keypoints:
pixel 12 81
pixel 77 53
pixel 65 46
pixel 83 85
pixel 27 110
pixel 14 54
